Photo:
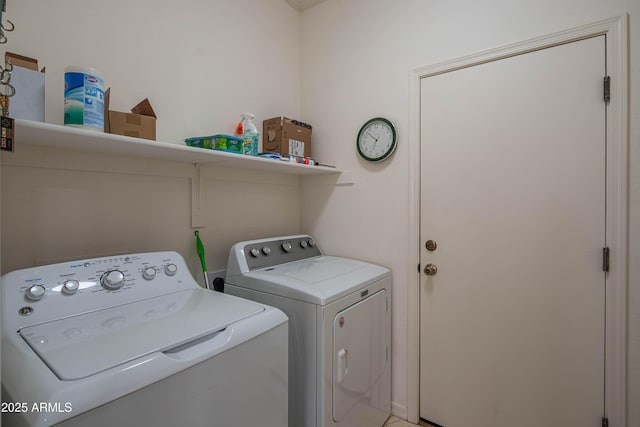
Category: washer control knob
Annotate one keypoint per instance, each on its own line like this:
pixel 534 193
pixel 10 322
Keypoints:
pixel 311 242
pixel 149 273
pixel 35 293
pixel 112 280
pixel 266 250
pixel 70 287
pixel 303 244
pixel 255 252
pixel 170 269
pixel 286 246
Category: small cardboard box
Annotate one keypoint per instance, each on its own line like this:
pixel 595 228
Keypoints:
pixel 140 123
pixel 286 136
pixel 28 101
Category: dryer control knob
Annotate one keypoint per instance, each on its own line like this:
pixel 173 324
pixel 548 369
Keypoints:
pixel 312 243
pixel 303 244
pixel 112 280
pixel 70 287
pixel 254 252
pixel 170 269
pixel 266 250
pixel 149 273
pixel 35 293
pixel 286 246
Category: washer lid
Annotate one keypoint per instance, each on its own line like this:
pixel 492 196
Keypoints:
pixel 319 280
pixel 83 345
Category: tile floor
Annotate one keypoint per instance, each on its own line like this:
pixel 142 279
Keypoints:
pixel 397 422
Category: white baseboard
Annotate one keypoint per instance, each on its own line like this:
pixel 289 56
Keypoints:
pixel 399 410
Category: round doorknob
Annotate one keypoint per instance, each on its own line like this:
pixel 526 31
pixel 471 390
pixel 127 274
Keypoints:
pixel 430 269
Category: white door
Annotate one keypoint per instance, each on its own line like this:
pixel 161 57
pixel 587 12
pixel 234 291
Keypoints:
pixel 360 360
pixel 513 194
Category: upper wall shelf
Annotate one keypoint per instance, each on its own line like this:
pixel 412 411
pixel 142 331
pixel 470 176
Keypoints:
pixel 64 137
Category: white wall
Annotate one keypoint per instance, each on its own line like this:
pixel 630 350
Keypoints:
pixel 357 55
pixel 62 205
pixel 201 63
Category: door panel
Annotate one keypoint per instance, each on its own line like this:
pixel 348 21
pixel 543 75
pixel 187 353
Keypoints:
pixel 513 192
pixel 359 349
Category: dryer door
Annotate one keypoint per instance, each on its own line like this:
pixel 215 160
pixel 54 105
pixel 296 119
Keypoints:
pixel 360 357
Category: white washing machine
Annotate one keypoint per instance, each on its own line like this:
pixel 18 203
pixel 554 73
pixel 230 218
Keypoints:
pixel 132 340
pixel 339 327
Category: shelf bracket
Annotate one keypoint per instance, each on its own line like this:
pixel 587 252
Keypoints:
pixel 198 198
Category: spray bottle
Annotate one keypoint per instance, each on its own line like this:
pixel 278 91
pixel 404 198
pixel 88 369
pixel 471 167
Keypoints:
pixel 247 129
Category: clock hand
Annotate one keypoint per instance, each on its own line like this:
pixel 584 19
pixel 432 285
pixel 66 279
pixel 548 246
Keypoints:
pixel 371 135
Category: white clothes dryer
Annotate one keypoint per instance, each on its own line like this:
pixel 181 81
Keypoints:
pixel 132 340
pixel 339 327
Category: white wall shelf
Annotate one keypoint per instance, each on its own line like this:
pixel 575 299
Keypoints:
pixel 64 137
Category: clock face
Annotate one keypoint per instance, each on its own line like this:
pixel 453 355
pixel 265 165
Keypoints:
pixel 376 140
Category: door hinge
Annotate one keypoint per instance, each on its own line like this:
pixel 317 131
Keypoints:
pixel 605 260
pixel 607 89
pixel 605 422
pixel 418 268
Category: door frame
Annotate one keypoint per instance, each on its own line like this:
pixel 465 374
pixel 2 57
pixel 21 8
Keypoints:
pixel 617 137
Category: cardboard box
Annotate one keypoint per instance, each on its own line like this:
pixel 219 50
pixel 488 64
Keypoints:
pixel 140 123
pixel 28 102
pixel 286 136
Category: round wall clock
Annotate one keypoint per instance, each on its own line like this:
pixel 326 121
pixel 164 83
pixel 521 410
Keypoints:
pixel 376 140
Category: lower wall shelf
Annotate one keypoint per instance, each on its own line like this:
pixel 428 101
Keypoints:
pixel 64 137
